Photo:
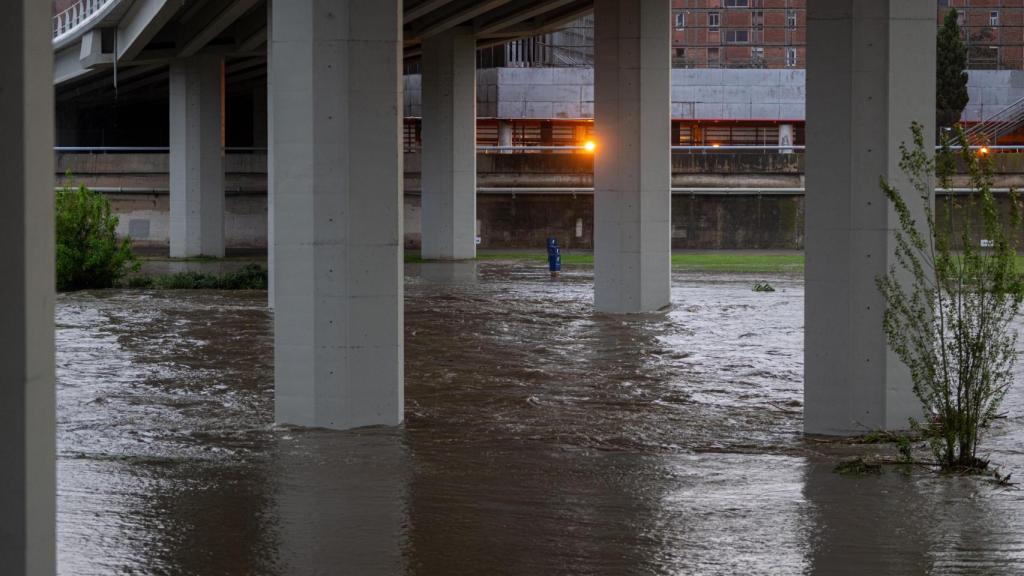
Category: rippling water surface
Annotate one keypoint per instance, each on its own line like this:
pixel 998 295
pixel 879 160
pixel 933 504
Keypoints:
pixel 540 439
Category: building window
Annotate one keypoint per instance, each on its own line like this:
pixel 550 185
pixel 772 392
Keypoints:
pixel 737 3
pixel 790 57
pixel 680 20
pixel 757 57
pixel 713 20
pixel 758 19
pixel 791 19
pixel 737 36
pixel 679 58
pixel 713 58
pixel 993 18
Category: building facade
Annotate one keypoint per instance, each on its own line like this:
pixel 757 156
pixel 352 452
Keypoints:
pixel 993 31
pixel 739 33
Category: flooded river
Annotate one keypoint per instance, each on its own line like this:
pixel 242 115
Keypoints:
pixel 540 439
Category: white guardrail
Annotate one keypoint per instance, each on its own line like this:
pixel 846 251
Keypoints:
pixel 516 149
pixel 75 15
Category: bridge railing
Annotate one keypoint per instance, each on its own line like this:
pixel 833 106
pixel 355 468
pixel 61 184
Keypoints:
pixel 1011 148
pixel 144 149
pixel 74 15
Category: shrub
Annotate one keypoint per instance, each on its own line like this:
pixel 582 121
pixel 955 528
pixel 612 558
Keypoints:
pixel 948 311
pixel 89 254
pixel 249 277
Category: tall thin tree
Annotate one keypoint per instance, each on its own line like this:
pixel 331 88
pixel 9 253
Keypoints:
pixel 951 65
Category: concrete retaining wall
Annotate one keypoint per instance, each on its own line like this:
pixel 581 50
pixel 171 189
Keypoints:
pixel 505 220
pixel 732 94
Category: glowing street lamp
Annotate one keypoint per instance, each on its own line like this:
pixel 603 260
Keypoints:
pixel 589 146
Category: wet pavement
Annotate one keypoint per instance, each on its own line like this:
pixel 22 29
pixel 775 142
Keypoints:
pixel 540 439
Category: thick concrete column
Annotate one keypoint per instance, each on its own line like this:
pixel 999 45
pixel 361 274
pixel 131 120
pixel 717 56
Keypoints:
pixel 197 156
pixel 870 73
pixel 336 157
pixel 27 445
pixel 449 146
pixel 270 164
pixel 632 167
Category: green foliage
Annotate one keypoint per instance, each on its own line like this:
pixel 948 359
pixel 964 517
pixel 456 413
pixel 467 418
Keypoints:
pixel 250 277
pixel 948 311
pixel 905 449
pixel 89 254
pixel 951 64
pixel 857 467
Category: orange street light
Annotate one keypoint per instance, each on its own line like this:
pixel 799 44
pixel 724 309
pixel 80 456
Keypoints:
pixel 589 146
pixel 983 151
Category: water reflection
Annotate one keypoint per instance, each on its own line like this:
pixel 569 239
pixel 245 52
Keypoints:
pixel 540 439
pixel 897 523
pixel 340 502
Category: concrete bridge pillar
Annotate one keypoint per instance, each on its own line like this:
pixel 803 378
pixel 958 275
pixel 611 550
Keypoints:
pixel 870 73
pixel 27 422
pixel 197 156
pixel 632 167
pixel 449 145
pixel 336 162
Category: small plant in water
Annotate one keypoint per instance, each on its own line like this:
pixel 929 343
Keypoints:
pixel 948 309
pixel 857 467
pixel 89 254
pixel 905 450
pixel 763 287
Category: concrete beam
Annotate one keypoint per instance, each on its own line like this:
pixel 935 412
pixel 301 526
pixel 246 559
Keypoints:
pixel 870 73
pixel 449 146
pixel 143 21
pixel 336 170
pixel 632 166
pixel 91 52
pixel 27 420
pixel 67 64
pixel 196 158
pixel 520 14
pixel 209 26
pixel 423 8
pixel 460 17
pixel 253 41
pixel 548 21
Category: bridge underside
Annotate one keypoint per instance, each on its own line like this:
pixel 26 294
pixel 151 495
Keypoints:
pixel 334 116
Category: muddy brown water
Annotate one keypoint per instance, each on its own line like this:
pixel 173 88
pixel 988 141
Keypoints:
pixel 540 439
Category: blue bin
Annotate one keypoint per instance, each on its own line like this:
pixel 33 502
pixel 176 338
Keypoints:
pixel 554 255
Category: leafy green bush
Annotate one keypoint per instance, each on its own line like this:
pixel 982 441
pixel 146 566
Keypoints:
pixel 89 254
pixel 250 277
pixel 949 310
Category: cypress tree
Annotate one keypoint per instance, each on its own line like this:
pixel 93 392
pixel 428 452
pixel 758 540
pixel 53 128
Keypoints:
pixel 951 84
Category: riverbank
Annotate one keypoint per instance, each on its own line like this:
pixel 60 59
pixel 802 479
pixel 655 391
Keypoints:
pixel 761 261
